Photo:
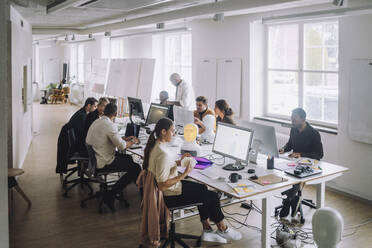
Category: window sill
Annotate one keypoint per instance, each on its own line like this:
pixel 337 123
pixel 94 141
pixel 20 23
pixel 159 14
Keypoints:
pixel 286 123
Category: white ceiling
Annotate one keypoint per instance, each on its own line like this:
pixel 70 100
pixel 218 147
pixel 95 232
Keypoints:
pixel 95 16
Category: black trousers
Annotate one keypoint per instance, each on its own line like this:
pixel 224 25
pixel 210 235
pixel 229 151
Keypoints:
pixel 198 193
pixel 291 193
pixel 123 163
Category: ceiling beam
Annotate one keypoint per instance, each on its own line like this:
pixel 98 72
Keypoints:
pixel 58 5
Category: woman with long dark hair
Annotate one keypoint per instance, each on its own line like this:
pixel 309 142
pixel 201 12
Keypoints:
pixel 224 112
pixel 160 160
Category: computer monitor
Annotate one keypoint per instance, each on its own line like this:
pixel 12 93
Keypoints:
pixel 156 112
pixel 171 113
pixel 264 140
pixel 182 116
pixel 233 142
pixel 135 107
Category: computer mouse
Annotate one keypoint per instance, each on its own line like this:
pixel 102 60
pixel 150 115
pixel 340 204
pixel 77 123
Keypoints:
pixel 221 179
pixel 254 177
pixel 251 171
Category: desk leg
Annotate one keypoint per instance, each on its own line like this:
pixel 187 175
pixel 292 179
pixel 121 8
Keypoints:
pixel 266 227
pixel 320 195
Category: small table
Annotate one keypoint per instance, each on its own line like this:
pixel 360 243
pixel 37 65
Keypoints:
pixel 12 183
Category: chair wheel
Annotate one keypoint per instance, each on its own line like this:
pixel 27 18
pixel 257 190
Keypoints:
pixel 83 205
pixel 65 195
pixel 126 204
pixel 100 210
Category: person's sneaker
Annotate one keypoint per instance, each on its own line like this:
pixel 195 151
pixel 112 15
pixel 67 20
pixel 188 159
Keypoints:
pixel 230 234
pixel 212 237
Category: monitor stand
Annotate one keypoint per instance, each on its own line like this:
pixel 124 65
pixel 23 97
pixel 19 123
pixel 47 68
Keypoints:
pixel 237 166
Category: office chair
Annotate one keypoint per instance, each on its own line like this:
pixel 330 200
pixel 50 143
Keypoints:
pixel 306 202
pixel 101 179
pixel 174 237
pixel 81 161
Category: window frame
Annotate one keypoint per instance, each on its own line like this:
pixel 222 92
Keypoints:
pixel 300 70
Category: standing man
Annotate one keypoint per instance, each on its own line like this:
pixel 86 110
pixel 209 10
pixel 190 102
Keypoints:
pixel 184 92
pixel 104 137
pixel 201 111
pixel 77 122
pixel 304 141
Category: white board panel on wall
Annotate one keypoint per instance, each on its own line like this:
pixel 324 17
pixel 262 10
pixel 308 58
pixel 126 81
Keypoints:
pixel 146 79
pixel 229 80
pixel 360 100
pixel 51 71
pixel 206 79
pixel 123 77
pixel 97 77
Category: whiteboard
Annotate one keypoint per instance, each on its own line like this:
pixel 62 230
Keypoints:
pixel 229 81
pixel 206 79
pixel 360 100
pixel 146 79
pixel 123 77
pixel 51 71
pixel 98 74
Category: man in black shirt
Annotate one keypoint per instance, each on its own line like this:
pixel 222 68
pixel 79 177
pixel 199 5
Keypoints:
pixel 77 122
pixel 92 116
pixel 304 141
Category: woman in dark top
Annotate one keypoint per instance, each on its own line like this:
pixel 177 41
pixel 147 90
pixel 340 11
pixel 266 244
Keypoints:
pixel 223 112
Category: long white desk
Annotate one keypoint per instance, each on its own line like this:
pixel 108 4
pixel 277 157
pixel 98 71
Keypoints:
pixel 265 193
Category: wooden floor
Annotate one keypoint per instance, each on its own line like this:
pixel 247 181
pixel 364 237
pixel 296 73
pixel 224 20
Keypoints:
pixel 54 221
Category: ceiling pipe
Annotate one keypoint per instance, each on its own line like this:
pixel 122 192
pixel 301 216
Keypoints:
pixel 171 30
pixel 205 9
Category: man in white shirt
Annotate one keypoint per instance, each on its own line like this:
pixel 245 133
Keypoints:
pixel 104 137
pixel 184 93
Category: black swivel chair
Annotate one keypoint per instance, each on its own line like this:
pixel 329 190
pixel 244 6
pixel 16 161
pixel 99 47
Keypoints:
pixel 298 208
pixel 101 179
pixel 174 237
pixel 81 161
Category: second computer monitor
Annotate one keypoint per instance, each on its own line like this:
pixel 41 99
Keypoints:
pixel 182 117
pixel 156 112
pixel 233 142
pixel 135 107
pixel 264 138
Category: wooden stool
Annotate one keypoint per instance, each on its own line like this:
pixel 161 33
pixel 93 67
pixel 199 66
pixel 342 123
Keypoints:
pixel 12 173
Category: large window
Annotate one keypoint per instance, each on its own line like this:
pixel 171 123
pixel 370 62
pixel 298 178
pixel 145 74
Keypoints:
pixel 177 58
pixel 302 70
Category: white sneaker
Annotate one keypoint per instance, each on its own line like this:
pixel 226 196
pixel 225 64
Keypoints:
pixel 212 237
pixel 230 234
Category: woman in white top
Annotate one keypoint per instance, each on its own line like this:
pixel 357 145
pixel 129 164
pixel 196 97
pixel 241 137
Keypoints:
pixel 161 161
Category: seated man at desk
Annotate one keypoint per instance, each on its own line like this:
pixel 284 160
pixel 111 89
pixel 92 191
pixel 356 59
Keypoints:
pixel 163 97
pixel 104 137
pixel 304 141
pixel 92 116
pixel 77 122
pixel 160 161
pixel 201 111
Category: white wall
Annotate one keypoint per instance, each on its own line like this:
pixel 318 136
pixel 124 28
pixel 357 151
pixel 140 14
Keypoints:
pixel 21 55
pixel 5 121
pixel 227 39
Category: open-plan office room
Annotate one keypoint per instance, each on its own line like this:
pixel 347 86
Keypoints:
pixel 176 123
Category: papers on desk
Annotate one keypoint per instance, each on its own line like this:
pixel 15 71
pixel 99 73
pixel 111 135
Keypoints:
pixel 241 188
pixel 284 165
